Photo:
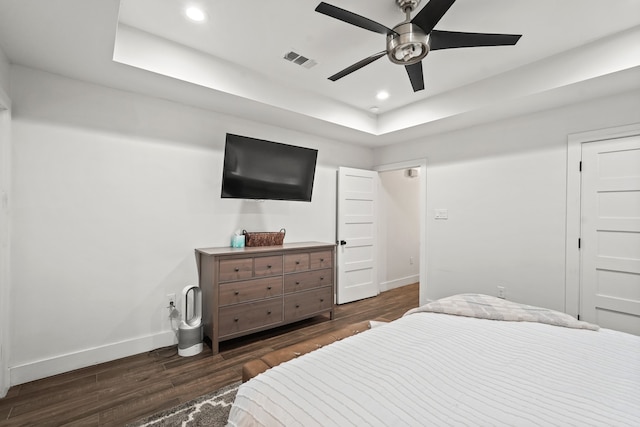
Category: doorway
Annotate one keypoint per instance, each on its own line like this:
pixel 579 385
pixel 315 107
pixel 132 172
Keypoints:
pixel 416 184
pixel 399 222
pixel 380 247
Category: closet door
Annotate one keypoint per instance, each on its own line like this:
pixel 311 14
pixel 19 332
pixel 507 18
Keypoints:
pixel 610 234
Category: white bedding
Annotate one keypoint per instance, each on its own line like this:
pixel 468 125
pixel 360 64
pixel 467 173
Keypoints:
pixel 487 307
pixel 439 369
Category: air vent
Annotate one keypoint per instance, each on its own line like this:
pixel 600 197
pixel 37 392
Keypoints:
pixel 296 58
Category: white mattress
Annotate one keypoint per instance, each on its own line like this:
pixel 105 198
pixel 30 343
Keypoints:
pixel 439 369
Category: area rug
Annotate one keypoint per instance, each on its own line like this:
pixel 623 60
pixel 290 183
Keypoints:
pixel 209 410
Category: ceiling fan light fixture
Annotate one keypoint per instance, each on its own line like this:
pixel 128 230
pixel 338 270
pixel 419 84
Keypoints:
pixel 407 45
pixel 407 52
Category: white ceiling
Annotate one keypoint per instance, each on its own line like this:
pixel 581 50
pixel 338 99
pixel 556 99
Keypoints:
pixel 233 62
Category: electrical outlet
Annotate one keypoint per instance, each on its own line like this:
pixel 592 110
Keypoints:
pixel 501 292
pixel 171 300
pixel 411 260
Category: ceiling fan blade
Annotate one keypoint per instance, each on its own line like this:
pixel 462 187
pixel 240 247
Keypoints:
pixel 454 39
pixel 352 18
pixel 431 14
pixel 415 75
pixel 357 66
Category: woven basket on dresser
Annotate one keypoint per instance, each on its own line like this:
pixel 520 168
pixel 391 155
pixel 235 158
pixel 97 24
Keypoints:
pixel 263 238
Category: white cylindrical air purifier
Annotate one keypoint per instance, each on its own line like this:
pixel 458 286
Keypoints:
pixel 190 330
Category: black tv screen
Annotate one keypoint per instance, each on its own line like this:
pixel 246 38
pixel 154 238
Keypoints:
pixel 258 169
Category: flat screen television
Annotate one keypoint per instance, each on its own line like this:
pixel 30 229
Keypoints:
pixel 258 169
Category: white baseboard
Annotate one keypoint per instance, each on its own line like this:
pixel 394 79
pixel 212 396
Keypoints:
pixel 81 359
pixel 397 283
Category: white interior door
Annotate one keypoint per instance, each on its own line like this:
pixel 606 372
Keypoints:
pixel 356 234
pixel 610 234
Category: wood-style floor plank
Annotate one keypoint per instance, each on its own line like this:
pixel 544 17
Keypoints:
pixel 124 390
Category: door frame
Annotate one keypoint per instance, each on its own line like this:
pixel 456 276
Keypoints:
pixel 420 164
pixel 573 218
pixel 5 240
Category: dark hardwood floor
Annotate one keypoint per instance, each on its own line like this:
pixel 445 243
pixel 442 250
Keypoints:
pixel 121 391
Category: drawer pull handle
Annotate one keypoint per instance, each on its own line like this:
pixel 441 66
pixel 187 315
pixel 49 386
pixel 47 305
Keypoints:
pixel 236 269
pixel 268 312
pixel 236 293
pixel 268 288
pixel 297 305
pixel 321 259
pixel 268 266
pixel 321 278
pixel 321 299
pixel 235 319
pixel 297 283
pixel 297 262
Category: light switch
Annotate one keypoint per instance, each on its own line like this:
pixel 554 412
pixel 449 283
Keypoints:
pixel 442 214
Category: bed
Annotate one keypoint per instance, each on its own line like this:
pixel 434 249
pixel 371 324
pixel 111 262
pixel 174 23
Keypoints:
pixel 465 360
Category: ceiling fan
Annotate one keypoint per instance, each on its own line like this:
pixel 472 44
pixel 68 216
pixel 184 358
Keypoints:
pixel 412 39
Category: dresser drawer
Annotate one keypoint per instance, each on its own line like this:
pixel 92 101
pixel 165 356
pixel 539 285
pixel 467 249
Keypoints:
pixel 308 280
pixel 249 290
pixel 296 262
pixel 322 259
pixel 267 266
pixel 239 318
pixel 303 304
pixel 235 269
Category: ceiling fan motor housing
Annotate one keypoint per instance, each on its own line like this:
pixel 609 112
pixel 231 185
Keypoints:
pixel 408 44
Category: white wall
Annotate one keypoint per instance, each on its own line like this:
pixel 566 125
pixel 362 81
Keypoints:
pixel 504 185
pixel 399 230
pixel 112 193
pixel 5 193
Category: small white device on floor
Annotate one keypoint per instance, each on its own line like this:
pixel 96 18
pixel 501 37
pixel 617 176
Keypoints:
pixel 190 330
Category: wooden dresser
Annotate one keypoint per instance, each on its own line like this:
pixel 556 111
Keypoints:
pixel 245 290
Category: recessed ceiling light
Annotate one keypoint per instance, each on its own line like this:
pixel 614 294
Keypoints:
pixel 195 14
pixel 382 95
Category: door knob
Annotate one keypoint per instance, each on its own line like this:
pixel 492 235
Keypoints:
pixel 343 242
